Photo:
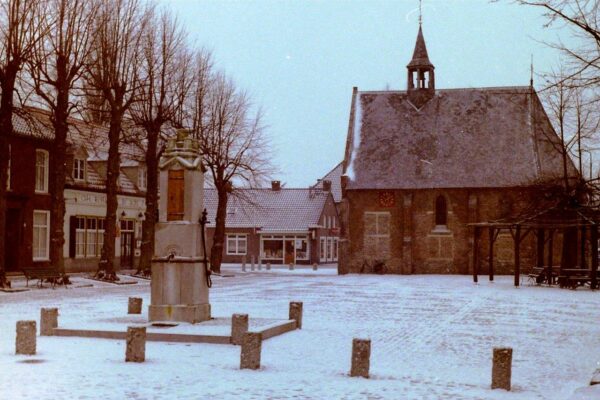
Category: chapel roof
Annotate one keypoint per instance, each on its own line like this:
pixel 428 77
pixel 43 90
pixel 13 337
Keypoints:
pixel 461 138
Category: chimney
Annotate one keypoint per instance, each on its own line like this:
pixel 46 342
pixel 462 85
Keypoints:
pixel 327 186
pixel 276 186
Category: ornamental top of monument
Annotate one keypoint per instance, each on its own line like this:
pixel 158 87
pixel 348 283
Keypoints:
pixel 183 150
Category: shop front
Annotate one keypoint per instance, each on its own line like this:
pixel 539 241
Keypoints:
pixel 285 248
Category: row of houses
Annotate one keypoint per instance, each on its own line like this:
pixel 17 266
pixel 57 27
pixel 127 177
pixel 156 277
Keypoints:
pixel 277 225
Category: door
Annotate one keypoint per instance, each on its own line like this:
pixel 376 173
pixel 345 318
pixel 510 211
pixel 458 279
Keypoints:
pixel 13 240
pixel 289 252
pixel 126 249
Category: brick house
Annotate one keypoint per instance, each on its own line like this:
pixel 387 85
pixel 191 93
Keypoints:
pixel 29 196
pixel 277 225
pixel 421 164
pixel 30 192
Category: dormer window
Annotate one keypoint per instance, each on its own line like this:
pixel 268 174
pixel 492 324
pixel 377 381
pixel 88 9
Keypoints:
pixel 142 178
pixel 79 169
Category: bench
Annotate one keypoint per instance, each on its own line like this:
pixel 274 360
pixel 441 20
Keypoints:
pixel 540 275
pixel 50 274
pixel 573 278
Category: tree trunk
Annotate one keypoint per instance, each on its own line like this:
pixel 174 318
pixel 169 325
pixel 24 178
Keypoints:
pixel 216 251
pixel 147 250
pixel 58 177
pixel 112 179
pixel 6 129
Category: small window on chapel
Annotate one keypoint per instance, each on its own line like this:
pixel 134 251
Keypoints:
pixel 441 211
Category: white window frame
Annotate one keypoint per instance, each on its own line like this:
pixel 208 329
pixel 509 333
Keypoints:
pixel 237 238
pixel 142 178
pixel 46 255
pixel 86 233
pixel 79 168
pixel 45 171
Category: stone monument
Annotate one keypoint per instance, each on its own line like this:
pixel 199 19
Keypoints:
pixel 180 276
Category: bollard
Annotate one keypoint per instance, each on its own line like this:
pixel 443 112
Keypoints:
pixel 48 321
pixel 259 265
pixel 243 263
pixel 134 306
pixel 136 344
pixel 296 313
pixel 501 368
pixel 251 346
pixel 25 342
pixel 252 263
pixel 239 326
pixel 244 267
pixel 314 266
pixel 361 355
pixel 291 266
pixel 268 266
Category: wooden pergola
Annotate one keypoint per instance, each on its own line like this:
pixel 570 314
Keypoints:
pixel 544 225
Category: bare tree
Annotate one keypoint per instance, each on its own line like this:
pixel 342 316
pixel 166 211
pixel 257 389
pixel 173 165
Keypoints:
pixel 166 69
pixel 233 143
pixel 19 32
pixel 583 19
pixel 114 75
pixel 55 67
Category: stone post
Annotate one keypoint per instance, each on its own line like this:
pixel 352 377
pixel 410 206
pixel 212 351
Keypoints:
pixel 314 266
pixel 252 263
pixel 25 342
pixel 268 266
pixel 136 344
pixel 48 321
pixel 244 263
pixel 501 368
pixel 291 266
pixel 135 305
pixel 361 357
pixel 259 265
pixel 251 347
pixel 239 326
pixel 296 313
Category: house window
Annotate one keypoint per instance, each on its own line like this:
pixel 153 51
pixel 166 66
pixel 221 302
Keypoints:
pixel 41 171
pixel 441 211
pixel 237 244
pixel 322 242
pixel 79 169
pixel 41 235
pixel 377 234
pixel 89 237
pixel 142 178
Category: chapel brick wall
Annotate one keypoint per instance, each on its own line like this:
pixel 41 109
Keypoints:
pixel 418 247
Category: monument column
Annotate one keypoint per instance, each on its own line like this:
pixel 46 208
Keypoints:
pixel 179 275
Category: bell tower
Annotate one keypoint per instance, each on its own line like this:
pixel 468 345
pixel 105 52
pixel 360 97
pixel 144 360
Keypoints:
pixel 421 77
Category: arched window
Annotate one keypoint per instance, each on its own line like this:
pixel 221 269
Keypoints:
pixel 441 211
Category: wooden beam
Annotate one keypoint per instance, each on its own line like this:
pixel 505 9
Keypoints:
pixel 492 238
pixel 594 239
pixel 475 253
pixel 517 244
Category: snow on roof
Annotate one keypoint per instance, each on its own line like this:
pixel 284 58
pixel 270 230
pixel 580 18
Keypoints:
pixel 282 210
pixel 334 176
pixel 482 137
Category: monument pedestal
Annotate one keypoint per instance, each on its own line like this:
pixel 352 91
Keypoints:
pixel 179 291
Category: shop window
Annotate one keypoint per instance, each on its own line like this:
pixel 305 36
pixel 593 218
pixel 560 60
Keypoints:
pixel 237 244
pixel 89 236
pixel 41 171
pixel 41 235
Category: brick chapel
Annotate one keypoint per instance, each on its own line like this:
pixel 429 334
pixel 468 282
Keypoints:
pixel 423 163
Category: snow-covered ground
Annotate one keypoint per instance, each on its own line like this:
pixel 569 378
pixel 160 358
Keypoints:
pixel 432 338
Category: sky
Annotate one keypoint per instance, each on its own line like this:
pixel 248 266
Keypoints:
pixel 300 59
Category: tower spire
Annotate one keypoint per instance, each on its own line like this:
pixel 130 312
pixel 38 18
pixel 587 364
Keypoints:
pixel 421 80
pixel 420 13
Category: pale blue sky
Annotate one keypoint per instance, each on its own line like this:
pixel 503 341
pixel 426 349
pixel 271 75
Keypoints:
pixel 300 59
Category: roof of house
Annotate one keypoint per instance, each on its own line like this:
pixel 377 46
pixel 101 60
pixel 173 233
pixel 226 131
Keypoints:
pixel 334 176
pixel 35 122
pixel 286 209
pixel 461 138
